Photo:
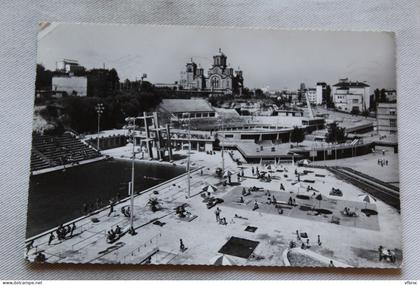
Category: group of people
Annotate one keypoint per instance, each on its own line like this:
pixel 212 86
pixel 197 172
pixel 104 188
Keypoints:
pixel 349 213
pixel 114 234
pixel 219 219
pixel 62 232
pixel 382 162
pixel 386 254
pixel 305 243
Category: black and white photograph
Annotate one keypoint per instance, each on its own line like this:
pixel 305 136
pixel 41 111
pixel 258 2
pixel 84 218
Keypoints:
pixel 190 145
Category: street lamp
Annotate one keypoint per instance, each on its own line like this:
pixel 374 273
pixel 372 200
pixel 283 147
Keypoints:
pixel 222 122
pixel 186 119
pixel 131 127
pixel 99 110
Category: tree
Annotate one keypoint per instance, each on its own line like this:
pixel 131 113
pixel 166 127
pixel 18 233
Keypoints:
pixel 297 135
pixel 43 80
pixel 328 99
pixel 383 96
pixel 335 134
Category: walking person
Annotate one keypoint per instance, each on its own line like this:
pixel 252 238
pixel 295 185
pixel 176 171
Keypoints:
pixel 51 238
pixel 319 240
pixel 73 227
pixel 111 207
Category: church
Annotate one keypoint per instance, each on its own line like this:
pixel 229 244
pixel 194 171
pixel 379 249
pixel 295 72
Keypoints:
pixel 220 78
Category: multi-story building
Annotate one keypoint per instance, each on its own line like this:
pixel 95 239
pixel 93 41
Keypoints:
pixel 314 96
pixel 321 89
pixel 387 118
pixel 220 77
pixel 351 96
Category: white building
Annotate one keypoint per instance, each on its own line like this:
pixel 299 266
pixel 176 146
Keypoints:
pixel 349 96
pixel 70 85
pixel 321 87
pixel 314 96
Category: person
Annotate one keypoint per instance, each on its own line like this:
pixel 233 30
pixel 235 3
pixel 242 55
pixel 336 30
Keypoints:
pixel 217 212
pixel 281 211
pixel 111 207
pixel 201 172
pixel 319 240
pixel 29 246
pixel 386 162
pixel 73 227
pixel 331 264
pixel 243 191
pixel 290 201
pixel 118 230
pixel 253 170
pixel 241 200
pixel 59 232
pixel 281 186
pixel 85 209
pixel 380 249
pixel 255 206
pixel 274 200
pixel 181 245
pixel 51 238
pixel 68 229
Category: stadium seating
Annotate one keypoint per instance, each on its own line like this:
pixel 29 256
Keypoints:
pixel 49 151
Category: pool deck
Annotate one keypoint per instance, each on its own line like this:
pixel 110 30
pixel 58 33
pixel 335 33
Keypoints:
pixel 203 237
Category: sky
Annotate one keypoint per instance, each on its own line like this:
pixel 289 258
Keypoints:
pixel 269 58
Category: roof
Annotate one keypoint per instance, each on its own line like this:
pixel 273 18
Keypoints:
pixel 185 105
pixel 350 84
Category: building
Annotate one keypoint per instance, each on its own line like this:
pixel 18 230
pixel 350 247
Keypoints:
pixel 314 96
pixel 71 67
pixel 386 117
pixel 351 96
pixel 220 78
pixel 321 89
pixel 196 108
pixel 69 85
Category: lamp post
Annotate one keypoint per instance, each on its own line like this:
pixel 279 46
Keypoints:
pixel 222 122
pixel 131 126
pixel 99 110
pixel 186 117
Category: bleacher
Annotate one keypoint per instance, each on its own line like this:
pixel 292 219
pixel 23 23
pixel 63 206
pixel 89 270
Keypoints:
pixel 49 151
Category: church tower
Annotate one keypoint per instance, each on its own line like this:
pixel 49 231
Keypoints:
pixel 220 59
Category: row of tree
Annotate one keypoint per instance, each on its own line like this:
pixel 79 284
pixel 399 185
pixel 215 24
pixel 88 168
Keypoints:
pixel 335 134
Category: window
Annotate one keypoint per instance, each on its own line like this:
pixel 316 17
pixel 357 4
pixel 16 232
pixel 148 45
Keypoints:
pixel 215 83
pixel 392 122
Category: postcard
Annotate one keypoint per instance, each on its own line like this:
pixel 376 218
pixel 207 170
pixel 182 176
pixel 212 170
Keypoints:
pixel 214 146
